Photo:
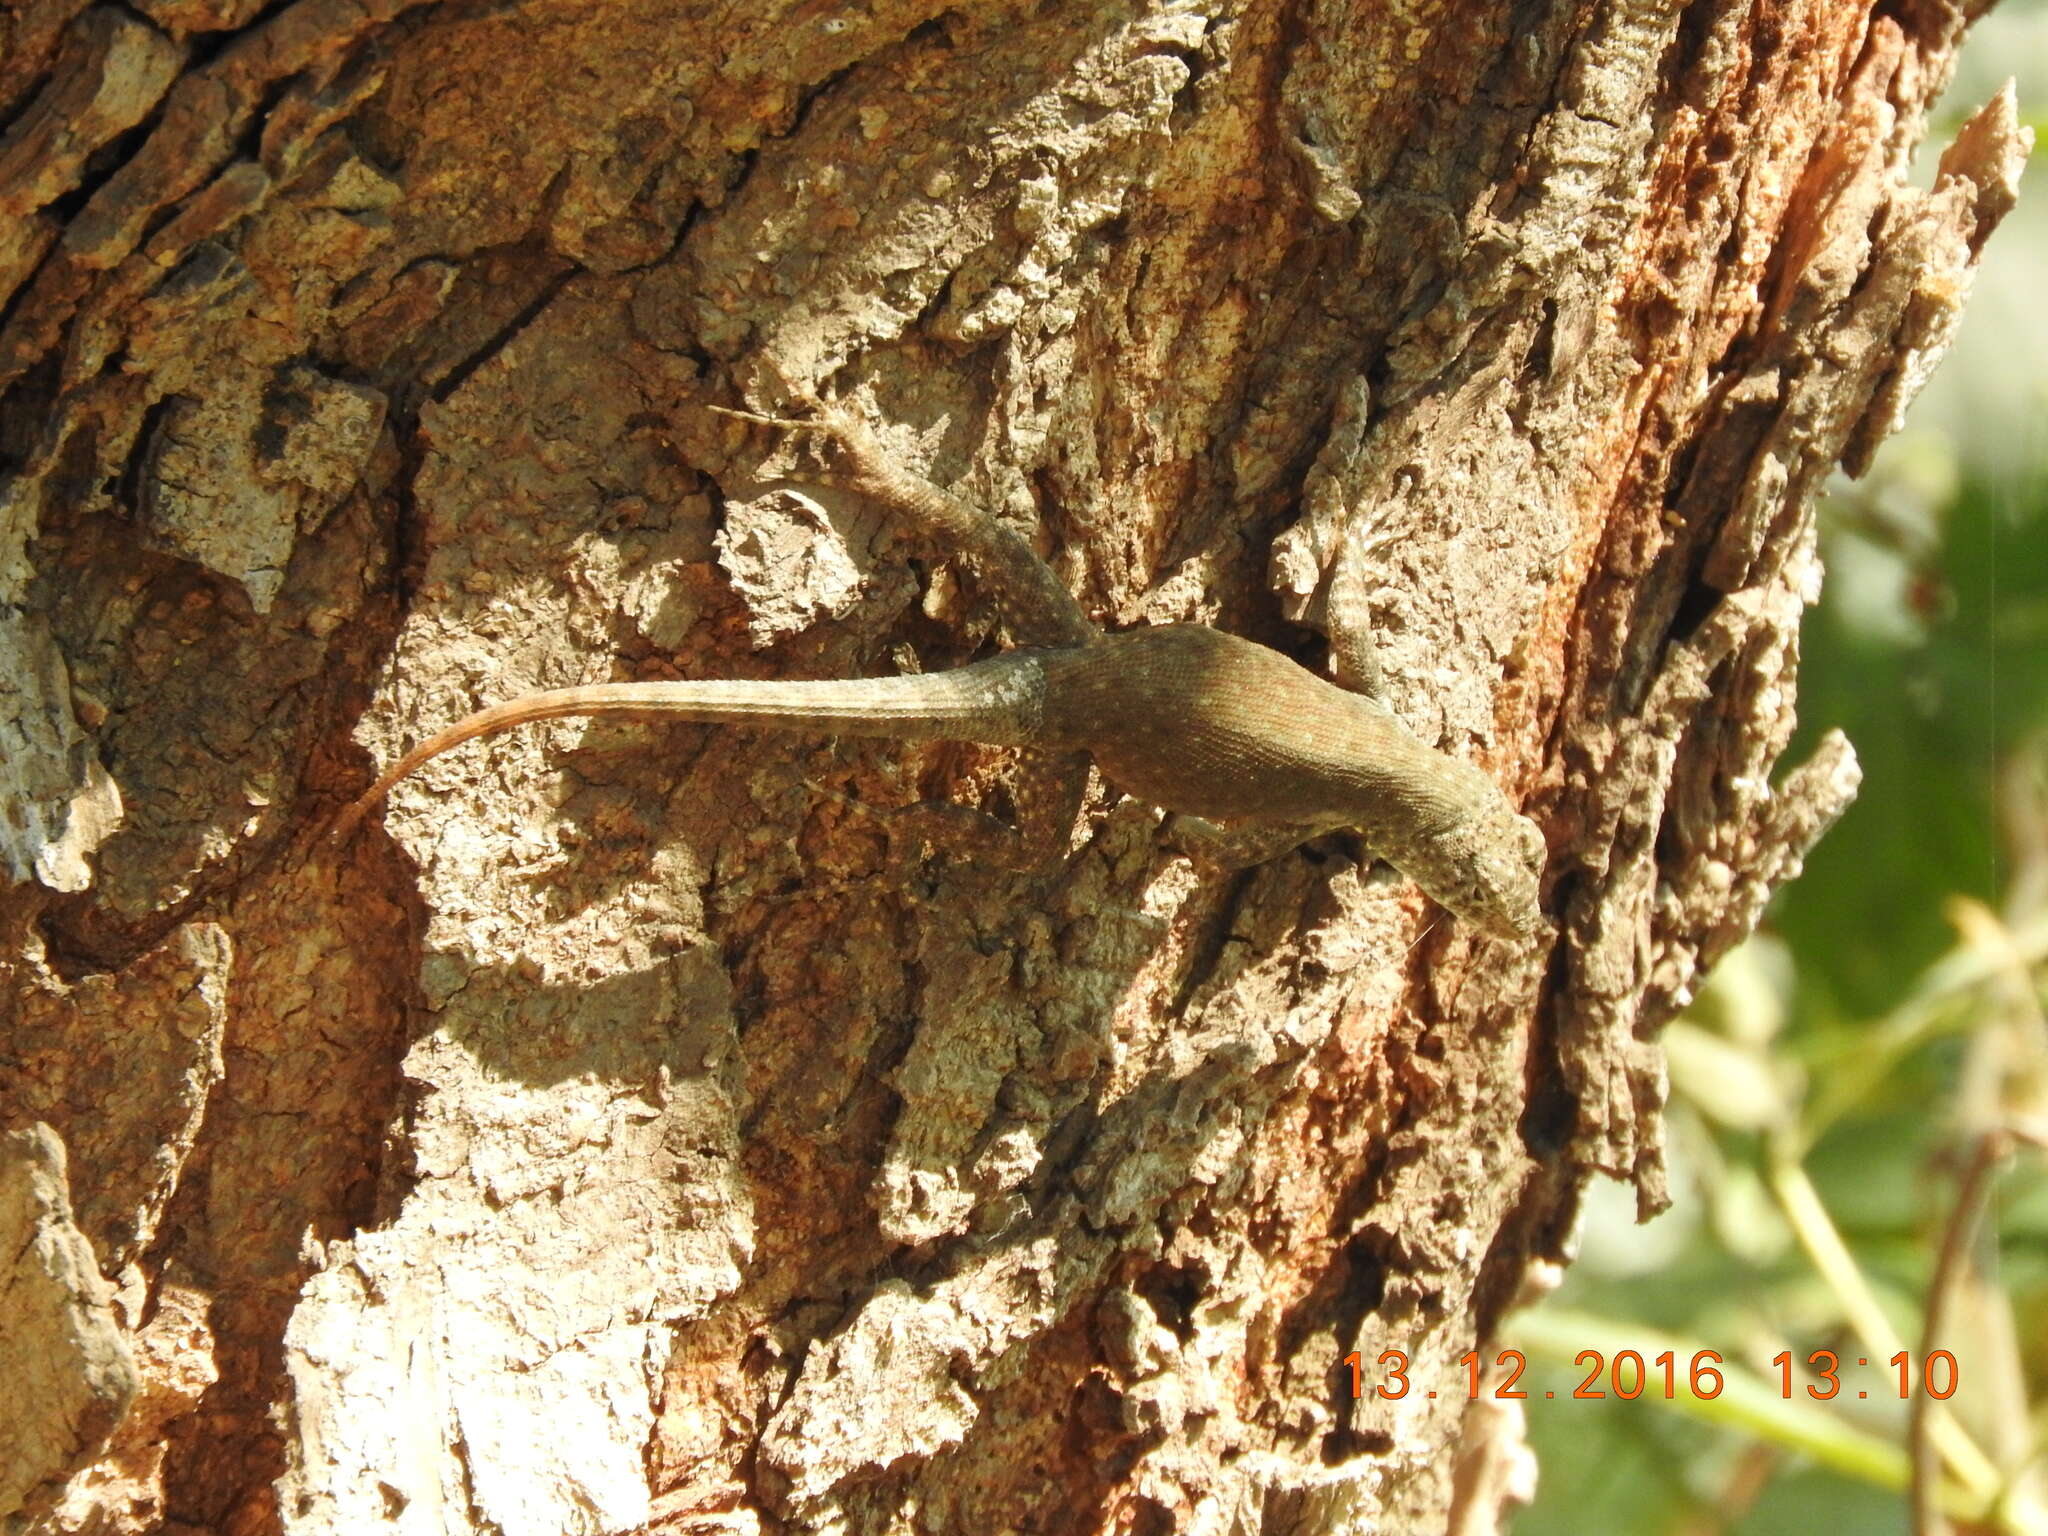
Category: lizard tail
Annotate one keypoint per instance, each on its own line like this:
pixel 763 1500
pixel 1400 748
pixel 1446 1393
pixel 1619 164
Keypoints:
pixel 1000 701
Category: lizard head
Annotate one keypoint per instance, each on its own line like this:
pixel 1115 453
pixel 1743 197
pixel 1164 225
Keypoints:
pixel 1486 868
pixel 1498 866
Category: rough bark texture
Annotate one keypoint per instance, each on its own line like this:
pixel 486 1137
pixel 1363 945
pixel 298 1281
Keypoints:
pixel 623 1133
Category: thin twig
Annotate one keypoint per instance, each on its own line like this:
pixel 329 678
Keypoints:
pixel 1971 1195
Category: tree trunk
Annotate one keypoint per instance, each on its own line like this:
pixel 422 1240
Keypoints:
pixel 632 1128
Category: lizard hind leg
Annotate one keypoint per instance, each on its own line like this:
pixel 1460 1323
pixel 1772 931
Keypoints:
pixel 1035 606
pixel 782 423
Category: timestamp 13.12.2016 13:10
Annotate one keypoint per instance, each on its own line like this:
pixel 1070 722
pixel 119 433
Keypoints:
pixel 1627 1375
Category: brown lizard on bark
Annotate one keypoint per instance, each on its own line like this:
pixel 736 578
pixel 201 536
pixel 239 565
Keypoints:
pixel 1194 720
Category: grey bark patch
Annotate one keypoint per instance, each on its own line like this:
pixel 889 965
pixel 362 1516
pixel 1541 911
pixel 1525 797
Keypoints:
pixel 69 1373
pixel 57 804
pixel 232 480
pixel 787 561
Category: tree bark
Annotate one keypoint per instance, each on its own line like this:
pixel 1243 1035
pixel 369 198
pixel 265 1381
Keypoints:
pixel 626 1133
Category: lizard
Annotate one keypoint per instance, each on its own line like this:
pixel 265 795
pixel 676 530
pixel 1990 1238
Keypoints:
pixel 1207 725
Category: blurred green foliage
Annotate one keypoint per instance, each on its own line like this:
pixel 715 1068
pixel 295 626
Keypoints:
pixel 1933 717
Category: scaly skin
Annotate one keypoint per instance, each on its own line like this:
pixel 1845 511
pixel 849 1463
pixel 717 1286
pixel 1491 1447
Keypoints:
pixel 1189 718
